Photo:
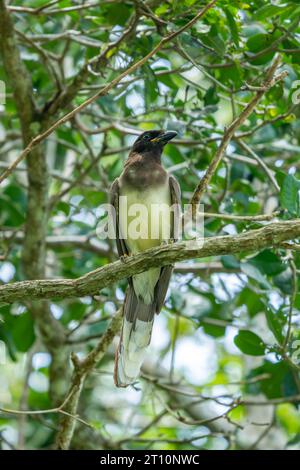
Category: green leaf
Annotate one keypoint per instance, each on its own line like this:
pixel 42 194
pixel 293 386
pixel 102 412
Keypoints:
pixel 11 214
pixel 278 381
pixel 215 331
pixel 268 263
pixel 211 96
pixel 217 311
pixel 189 3
pixel 295 440
pixel 259 42
pixel 214 41
pixel 284 281
pixel 168 81
pixel 151 87
pixel 98 328
pixel 192 45
pixel 254 273
pixel 289 194
pixel 23 331
pixel 249 343
pixel 3 304
pixel 276 322
pixel 117 14
pixel 232 26
pixel 268 11
pixel 251 300
pixel 162 9
pixel 5 336
pixel 64 207
pixel 230 262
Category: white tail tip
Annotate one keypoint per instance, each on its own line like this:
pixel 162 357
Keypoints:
pixel 131 352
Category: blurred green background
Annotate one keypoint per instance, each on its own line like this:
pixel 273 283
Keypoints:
pixel 216 349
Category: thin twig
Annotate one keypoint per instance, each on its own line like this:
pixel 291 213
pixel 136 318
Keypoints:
pixel 261 163
pixel 270 80
pixel 103 91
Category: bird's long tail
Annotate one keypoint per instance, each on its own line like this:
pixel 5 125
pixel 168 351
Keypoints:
pixel 135 338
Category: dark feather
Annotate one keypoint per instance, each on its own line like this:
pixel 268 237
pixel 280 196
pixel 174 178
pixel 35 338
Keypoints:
pixel 114 201
pixel 136 309
pixel 162 285
pixel 175 199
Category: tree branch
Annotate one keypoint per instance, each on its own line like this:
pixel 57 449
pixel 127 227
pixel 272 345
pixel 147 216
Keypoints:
pixel 14 68
pixel 103 91
pixel 34 246
pixel 261 163
pixel 90 284
pixel 270 80
pixel 81 370
pixel 69 93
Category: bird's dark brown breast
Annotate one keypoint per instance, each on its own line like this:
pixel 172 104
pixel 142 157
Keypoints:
pixel 142 172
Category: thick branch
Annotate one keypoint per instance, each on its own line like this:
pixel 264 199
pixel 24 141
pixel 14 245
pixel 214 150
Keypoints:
pixel 90 284
pixel 93 245
pixel 15 69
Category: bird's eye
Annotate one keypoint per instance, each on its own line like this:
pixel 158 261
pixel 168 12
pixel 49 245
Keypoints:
pixel 146 137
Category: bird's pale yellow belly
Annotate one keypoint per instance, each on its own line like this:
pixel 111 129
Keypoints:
pixel 145 217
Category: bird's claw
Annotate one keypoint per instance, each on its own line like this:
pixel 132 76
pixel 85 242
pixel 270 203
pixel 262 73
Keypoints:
pixel 167 242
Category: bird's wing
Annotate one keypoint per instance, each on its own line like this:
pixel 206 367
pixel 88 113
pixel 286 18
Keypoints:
pixel 166 272
pixel 176 200
pixel 114 200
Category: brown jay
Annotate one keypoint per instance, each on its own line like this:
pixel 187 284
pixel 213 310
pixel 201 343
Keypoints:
pixel 143 181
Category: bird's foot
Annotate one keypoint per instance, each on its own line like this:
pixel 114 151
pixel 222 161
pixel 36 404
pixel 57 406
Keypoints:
pixel 124 257
pixel 167 242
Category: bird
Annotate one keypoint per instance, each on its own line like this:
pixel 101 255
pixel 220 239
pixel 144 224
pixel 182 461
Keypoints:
pixel 143 181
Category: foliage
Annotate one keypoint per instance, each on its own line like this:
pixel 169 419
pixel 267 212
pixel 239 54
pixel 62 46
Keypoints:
pixel 230 327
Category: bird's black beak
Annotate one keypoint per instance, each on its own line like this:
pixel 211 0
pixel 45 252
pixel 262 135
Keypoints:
pixel 165 137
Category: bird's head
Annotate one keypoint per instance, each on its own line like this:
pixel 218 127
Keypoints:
pixel 153 141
